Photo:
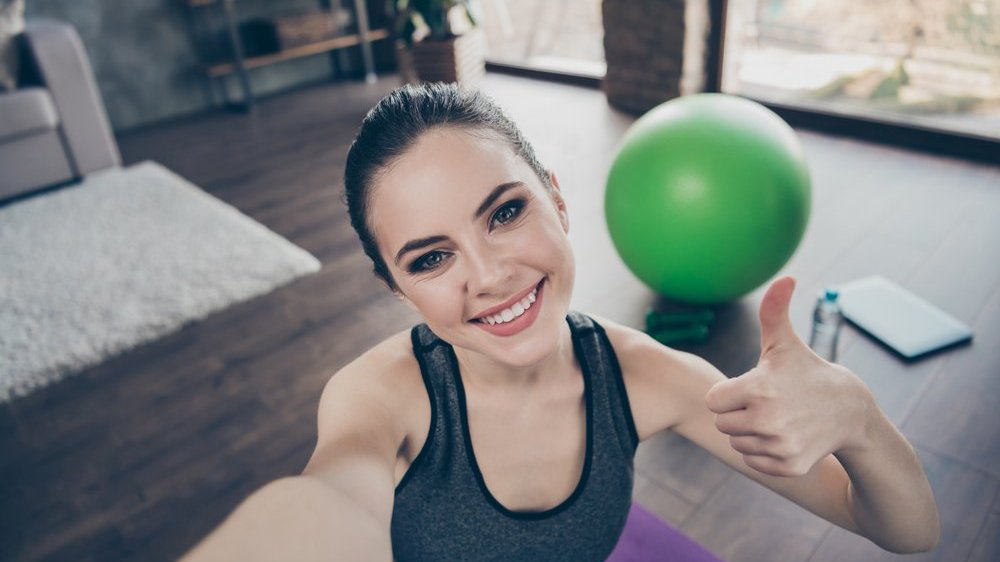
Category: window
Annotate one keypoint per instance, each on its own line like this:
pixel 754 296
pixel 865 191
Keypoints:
pixel 563 36
pixel 933 63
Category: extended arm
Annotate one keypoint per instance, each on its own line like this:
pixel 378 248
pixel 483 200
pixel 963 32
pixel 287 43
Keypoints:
pixel 296 518
pixel 340 508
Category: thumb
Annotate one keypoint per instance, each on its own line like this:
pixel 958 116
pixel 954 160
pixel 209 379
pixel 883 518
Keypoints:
pixel 775 325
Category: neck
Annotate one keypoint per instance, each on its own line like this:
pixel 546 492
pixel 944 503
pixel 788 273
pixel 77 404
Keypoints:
pixel 483 372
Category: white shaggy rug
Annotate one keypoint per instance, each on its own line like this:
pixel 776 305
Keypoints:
pixel 127 256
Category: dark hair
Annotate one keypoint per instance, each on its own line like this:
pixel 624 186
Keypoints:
pixel 396 123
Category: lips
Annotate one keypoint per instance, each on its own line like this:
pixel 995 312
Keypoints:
pixel 508 303
pixel 518 324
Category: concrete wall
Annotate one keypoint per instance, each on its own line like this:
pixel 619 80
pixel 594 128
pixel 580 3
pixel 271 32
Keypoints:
pixel 146 59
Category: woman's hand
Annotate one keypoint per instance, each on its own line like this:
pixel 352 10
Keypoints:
pixel 790 412
pixel 793 408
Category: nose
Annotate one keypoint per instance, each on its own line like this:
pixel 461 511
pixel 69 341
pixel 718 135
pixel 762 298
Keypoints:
pixel 489 271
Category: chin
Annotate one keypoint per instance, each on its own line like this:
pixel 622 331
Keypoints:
pixel 534 347
pixel 530 346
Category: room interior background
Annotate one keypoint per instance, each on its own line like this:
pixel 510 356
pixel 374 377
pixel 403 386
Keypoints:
pixel 122 38
pixel 92 477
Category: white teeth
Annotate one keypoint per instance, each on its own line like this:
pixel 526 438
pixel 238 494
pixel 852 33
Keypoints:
pixel 513 312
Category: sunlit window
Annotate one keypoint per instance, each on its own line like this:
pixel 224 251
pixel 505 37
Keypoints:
pixel 935 63
pixel 556 35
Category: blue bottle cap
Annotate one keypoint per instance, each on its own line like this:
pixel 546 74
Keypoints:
pixel 831 294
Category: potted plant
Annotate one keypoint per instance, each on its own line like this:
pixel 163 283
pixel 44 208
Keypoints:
pixel 438 40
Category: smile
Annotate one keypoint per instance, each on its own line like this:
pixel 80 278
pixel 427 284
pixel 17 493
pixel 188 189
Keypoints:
pixel 515 311
pixel 514 317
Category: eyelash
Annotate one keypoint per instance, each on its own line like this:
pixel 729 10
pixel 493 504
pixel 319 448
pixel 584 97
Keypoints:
pixel 515 205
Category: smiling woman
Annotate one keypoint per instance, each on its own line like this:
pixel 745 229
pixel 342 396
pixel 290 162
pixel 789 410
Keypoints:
pixel 504 426
pixel 482 248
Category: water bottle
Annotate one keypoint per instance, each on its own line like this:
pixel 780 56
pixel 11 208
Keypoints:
pixel 827 319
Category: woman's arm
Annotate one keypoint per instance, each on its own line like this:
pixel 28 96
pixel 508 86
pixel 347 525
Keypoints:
pixel 874 486
pixel 340 508
pixel 296 518
pixel 806 428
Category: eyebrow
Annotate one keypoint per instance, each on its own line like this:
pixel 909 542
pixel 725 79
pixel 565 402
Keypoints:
pixel 418 243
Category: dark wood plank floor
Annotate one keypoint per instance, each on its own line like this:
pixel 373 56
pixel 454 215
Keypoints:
pixel 141 456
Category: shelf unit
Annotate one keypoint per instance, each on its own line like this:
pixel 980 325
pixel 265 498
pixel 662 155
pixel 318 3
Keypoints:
pixel 241 64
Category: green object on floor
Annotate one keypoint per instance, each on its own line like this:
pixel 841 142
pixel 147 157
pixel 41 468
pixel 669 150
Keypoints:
pixel 676 327
pixel 694 333
pixel 656 319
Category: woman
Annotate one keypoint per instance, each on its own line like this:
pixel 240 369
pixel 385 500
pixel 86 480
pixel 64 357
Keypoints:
pixel 504 426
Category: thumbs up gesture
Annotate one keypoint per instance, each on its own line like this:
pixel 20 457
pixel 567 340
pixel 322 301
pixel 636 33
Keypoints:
pixel 793 408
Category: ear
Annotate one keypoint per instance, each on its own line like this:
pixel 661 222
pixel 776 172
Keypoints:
pixel 557 198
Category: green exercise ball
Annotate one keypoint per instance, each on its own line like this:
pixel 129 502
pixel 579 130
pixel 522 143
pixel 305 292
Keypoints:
pixel 708 197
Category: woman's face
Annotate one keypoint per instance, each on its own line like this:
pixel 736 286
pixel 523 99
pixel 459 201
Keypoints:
pixel 465 225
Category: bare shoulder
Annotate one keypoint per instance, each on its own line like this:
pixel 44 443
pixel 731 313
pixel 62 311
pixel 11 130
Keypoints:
pixel 370 404
pixel 664 385
pixel 380 364
pixel 362 424
pixel 384 377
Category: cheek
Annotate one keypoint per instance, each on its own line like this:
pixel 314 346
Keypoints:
pixel 546 248
pixel 555 242
pixel 437 299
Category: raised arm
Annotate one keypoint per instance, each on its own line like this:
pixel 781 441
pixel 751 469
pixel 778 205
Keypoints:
pixel 340 508
pixel 803 419
pixel 808 429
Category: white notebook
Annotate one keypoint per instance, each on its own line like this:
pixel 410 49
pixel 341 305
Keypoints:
pixel 908 324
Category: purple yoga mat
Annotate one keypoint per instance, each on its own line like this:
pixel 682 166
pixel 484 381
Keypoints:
pixel 647 539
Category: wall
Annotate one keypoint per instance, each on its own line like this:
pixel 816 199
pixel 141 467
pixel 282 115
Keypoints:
pixel 147 63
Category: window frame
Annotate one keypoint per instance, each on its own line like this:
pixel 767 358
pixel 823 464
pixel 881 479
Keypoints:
pixel 928 139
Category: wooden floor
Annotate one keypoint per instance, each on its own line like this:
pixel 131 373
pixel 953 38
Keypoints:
pixel 141 456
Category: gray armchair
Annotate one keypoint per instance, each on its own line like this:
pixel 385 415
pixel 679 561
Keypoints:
pixel 53 128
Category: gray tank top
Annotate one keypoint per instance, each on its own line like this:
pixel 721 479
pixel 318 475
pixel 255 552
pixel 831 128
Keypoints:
pixel 444 511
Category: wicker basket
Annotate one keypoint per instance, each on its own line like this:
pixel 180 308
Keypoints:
pixel 293 30
pixel 461 59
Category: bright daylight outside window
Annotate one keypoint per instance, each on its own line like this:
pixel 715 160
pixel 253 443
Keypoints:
pixel 932 63
pixel 557 35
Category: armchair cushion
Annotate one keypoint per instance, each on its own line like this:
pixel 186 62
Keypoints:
pixel 11 25
pixel 26 112
pixel 54 129
pixel 64 68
